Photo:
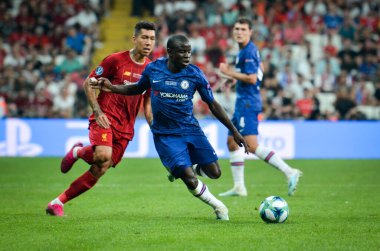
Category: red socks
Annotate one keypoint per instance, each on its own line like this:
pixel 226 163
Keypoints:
pixel 79 186
pixel 87 154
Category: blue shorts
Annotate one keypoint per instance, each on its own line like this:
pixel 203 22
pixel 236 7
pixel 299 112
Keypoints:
pixel 247 123
pixel 178 152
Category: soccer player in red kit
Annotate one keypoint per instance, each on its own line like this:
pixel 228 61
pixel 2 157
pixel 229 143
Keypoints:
pixel 111 126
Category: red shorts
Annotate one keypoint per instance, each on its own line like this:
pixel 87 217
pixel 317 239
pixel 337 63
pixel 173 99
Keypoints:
pixel 108 137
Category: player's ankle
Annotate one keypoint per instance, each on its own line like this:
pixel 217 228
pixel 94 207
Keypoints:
pixel 56 201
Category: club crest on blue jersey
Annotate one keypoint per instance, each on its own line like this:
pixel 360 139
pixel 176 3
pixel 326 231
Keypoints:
pixel 99 70
pixel 185 84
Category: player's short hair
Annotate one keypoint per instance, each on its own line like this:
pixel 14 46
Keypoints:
pixel 245 20
pixel 144 25
pixel 174 40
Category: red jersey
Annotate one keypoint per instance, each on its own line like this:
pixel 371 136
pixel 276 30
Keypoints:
pixel 121 110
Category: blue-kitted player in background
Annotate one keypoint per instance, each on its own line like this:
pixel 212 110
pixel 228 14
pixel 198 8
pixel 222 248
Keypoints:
pixel 178 138
pixel 248 74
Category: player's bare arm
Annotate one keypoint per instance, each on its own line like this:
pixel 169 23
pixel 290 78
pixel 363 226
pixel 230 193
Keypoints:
pixel 221 115
pixel 101 118
pixel 105 85
pixel 246 78
pixel 148 110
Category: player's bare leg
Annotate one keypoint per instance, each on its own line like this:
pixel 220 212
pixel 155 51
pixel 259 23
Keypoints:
pixel 200 190
pixel 102 159
pixel 211 170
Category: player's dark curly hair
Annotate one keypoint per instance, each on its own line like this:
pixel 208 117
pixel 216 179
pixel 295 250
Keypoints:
pixel 144 25
pixel 174 40
pixel 244 20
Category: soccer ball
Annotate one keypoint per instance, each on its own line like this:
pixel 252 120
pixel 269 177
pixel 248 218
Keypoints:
pixel 274 209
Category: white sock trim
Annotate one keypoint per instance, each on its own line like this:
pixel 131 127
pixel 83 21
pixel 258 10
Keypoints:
pixel 204 194
pixel 75 151
pixel 271 157
pixel 56 201
pixel 237 167
pixel 237 156
pixel 198 190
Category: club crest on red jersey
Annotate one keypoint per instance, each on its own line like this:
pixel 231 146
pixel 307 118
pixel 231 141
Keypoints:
pixel 99 70
pixel 104 137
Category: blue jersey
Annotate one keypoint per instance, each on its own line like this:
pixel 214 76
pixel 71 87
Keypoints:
pixel 171 97
pixel 248 95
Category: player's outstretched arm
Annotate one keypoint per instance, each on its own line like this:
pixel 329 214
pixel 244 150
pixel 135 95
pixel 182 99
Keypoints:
pixel 221 115
pixel 105 85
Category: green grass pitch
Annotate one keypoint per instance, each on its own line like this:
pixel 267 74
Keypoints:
pixel 134 207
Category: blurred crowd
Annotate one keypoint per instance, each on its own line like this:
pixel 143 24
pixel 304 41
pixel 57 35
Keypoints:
pixel 321 58
pixel 45 51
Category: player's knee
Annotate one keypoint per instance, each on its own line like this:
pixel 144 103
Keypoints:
pixel 191 183
pixel 252 149
pixel 211 170
pixel 232 146
pixel 102 157
pixel 189 179
pixel 215 174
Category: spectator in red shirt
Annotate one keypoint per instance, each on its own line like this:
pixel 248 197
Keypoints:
pixel 305 105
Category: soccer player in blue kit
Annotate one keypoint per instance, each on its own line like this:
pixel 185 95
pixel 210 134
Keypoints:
pixel 178 138
pixel 248 75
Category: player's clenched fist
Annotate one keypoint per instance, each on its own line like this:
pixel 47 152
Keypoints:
pixel 101 83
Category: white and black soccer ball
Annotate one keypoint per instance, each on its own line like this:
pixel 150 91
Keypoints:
pixel 274 209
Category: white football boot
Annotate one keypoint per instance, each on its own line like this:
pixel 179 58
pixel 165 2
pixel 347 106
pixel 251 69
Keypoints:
pixel 293 181
pixel 235 191
pixel 222 213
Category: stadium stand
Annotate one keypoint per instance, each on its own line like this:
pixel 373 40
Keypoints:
pixel 321 57
pixel 371 112
pixel 326 102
